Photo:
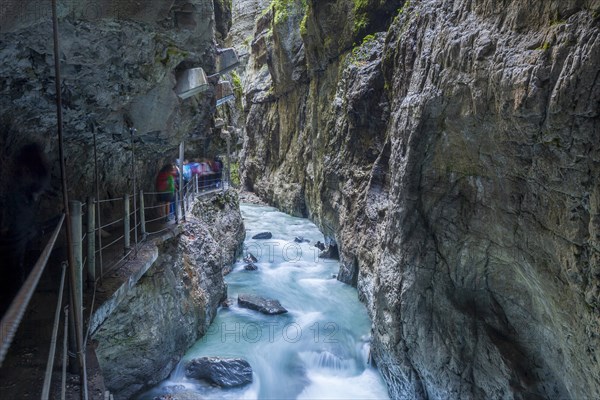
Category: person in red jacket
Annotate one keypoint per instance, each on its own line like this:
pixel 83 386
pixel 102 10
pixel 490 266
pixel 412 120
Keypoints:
pixel 165 185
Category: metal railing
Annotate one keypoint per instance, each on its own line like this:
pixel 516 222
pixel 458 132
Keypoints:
pixel 13 316
pixel 132 223
pixel 74 212
pixel 144 220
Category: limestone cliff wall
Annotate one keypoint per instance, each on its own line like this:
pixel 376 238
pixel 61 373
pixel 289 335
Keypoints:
pixel 119 63
pixel 174 302
pixel 454 158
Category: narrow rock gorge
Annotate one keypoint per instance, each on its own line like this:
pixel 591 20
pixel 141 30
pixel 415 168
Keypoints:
pixel 450 149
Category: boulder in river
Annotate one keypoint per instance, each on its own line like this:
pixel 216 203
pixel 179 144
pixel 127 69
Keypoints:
pixel 261 304
pixel 225 372
pixel 250 267
pixel 300 239
pixel 331 252
pixel 249 258
pixel 228 302
pixel 320 245
pixel 263 235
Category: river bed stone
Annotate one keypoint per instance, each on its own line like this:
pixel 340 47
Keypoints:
pixel 263 235
pixel 261 304
pixel 225 372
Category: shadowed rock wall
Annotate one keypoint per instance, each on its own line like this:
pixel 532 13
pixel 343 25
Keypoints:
pixel 454 158
pixel 119 61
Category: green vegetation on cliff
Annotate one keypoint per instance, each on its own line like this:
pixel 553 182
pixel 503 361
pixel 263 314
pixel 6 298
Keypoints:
pixel 361 17
pixel 235 174
pixel 237 85
pixel 361 53
pixel 361 12
pixel 282 9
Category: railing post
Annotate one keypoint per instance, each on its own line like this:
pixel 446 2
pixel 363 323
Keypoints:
pixel 126 223
pixel 188 195
pixel 196 183
pixel 75 208
pixel 142 215
pixel 228 164
pixel 135 232
pixel 77 291
pixel 91 241
pixel 132 130
pixel 181 188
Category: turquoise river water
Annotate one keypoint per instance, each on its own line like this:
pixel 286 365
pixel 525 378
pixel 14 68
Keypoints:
pixel 318 350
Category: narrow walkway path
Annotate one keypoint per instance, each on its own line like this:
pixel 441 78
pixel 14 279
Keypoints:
pixel 22 373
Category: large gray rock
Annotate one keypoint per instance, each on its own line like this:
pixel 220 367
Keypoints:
pixel 225 372
pixel 173 303
pixel 261 304
pixel 221 215
pixel 454 159
pixel 263 235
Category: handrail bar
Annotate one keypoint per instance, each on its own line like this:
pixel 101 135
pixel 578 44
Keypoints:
pixel 110 223
pixel 12 318
pixel 109 200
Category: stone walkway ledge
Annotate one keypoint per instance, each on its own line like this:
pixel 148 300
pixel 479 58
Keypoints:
pixel 117 286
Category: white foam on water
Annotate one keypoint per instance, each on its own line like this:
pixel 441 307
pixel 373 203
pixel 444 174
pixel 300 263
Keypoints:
pixel 366 386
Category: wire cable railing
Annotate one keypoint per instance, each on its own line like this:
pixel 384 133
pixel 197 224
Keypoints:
pixel 111 255
pixel 109 200
pixel 147 218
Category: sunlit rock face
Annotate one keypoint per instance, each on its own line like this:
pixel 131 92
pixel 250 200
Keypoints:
pixel 454 159
pixel 119 62
pixel 244 14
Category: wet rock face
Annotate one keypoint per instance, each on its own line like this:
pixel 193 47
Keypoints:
pixel 223 17
pixel 244 15
pixel 171 306
pixel 455 161
pixel 221 214
pixel 119 61
pixel 491 240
